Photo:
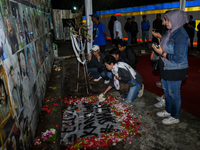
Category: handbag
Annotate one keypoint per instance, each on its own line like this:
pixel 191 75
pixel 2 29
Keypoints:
pixel 155 64
pixel 155 60
pixel 124 86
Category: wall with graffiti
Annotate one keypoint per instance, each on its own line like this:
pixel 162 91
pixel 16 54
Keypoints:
pixel 25 66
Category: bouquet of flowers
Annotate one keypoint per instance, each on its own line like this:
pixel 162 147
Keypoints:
pixel 49 135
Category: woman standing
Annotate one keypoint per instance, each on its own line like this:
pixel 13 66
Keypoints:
pixel 173 64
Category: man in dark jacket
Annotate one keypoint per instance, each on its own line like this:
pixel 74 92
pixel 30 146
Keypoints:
pixel 110 27
pixel 134 30
pixel 157 27
pixel 126 53
pixel 127 28
pixel 189 27
pixel 96 66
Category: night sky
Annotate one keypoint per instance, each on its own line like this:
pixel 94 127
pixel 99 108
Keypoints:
pixel 106 4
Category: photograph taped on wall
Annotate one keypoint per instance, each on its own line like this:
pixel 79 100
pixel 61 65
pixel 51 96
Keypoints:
pixel 11 29
pixel 6 113
pixel 16 90
pixel 5 101
pixel 17 23
pixel 30 61
pixel 3 40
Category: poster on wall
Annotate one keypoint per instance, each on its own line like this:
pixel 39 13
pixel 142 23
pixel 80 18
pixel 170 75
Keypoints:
pixel 30 61
pixel 16 90
pixel 33 33
pixel 27 86
pixel 11 28
pixel 6 113
pixel 40 50
pixel 3 40
pixel 5 102
pixel 17 20
pixel 15 139
pixel 24 10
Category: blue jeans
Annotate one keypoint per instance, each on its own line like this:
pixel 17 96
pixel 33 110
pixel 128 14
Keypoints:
pixel 145 35
pixel 96 73
pixel 172 91
pixel 129 38
pixel 109 75
pixel 133 92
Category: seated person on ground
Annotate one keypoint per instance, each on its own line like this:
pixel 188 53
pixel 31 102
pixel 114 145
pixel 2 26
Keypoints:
pixel 116 54
pixel 127 54
pixel 126 79
pixel 96 67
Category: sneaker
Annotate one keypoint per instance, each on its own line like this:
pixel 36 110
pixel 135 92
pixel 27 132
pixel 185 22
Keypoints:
pixel 106 81
pixel 96 80
pixel 170 120
pixel 159 98
pixel 163 113
pixel 159 84
pixel 141 91
pixel 160 104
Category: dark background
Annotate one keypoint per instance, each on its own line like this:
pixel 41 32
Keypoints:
pixel 99 5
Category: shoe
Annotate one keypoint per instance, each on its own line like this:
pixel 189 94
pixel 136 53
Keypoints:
pixel 160 104
pixel 106 81
pixel 159 84
pixel 163 113
pixel 96 80
pixel 170 120
pixel 141 91
pixel 159 98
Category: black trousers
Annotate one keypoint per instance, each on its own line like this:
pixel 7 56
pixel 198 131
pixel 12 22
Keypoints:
pixel 134 38
pixel 102 48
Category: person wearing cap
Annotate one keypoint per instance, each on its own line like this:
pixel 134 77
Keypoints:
pixel 99 33
pixel 96 67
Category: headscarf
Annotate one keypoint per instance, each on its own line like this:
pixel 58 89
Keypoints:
pixel 177 18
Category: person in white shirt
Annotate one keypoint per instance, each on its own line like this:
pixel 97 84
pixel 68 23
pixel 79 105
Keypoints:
pixel 117 30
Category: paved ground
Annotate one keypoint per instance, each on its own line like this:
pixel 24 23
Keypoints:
pixel 182 136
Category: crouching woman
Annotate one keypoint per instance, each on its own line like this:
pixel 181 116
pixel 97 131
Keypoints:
pixel 123 76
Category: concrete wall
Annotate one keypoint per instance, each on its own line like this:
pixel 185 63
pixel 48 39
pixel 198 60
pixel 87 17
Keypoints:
pixel 25 67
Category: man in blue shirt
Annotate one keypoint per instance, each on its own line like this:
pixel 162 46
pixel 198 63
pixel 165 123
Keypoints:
pixel 145 29
pixel 99 33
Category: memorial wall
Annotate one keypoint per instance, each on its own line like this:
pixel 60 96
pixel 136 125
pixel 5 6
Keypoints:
pixel 25 66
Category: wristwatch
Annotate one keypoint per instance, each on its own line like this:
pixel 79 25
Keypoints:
pixel 162 54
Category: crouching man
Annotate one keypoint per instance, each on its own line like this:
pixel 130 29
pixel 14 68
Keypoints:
pixel 96 67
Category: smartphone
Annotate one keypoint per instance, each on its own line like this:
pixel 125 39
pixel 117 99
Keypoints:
pixel 156 45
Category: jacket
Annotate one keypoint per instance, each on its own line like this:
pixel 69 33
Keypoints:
pixel 145 25
pixel 177 49
pixel 95 63
pixel 126 77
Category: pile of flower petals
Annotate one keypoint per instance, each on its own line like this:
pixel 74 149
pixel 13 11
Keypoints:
pixel 130 125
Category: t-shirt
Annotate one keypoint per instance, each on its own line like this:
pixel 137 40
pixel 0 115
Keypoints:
pixel 99 38
pixel 118 28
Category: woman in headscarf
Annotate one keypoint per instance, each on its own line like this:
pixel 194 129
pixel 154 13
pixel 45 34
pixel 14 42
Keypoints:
pixel 173 63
